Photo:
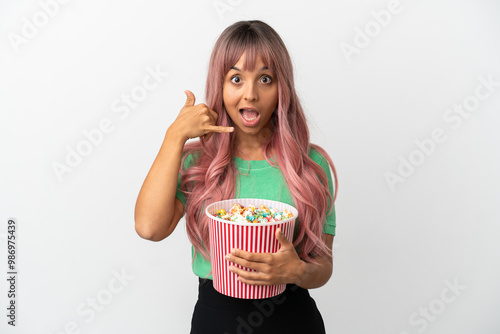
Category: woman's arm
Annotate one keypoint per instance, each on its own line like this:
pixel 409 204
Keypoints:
pixel 157 211
pixel 156 204
pixel 310 275
pixel 281 267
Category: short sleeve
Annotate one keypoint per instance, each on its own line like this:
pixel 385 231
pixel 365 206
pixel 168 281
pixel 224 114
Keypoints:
pixel 179 194
pixel 188 162
pixel 330 221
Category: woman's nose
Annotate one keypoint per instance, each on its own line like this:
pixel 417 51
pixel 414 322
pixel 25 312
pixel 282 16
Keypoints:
pixel 250 92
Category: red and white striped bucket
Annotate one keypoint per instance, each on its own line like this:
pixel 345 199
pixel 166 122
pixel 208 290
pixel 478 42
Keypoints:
pixel 252 237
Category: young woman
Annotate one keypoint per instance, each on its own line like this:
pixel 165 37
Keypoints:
pixel 254 143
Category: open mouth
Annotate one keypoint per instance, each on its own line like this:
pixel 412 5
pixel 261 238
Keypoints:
pixel 249 114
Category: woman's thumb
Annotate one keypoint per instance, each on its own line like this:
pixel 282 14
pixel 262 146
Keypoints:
pixel 190 98
pixel 280 236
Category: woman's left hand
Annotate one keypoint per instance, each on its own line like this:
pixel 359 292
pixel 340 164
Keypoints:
pixel 281 267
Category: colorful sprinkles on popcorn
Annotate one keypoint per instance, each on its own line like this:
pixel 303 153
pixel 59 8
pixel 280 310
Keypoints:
pixel 251 214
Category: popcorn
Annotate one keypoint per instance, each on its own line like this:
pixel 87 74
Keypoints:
pixel 236 209
pixel 251 214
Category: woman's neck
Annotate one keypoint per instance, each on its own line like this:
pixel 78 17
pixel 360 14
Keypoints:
pixel 249 146
pixel 252 154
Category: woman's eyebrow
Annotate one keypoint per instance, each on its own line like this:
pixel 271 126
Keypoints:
pixel 237 69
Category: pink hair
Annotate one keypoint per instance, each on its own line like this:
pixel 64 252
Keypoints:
pixel 212 177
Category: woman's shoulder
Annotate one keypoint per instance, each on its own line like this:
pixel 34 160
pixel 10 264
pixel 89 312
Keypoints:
pixel 190 157
pixel 316 155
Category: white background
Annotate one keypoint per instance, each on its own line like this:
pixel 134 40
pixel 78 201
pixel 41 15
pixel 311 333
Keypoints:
pixel 396 250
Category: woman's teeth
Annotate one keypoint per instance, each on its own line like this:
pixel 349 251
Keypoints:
pixel 249 115
pixel 249 119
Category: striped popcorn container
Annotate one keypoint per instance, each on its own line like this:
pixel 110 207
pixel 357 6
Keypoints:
pixel 252 237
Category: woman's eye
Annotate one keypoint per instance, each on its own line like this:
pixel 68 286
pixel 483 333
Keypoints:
pixel 235 79
pixel 266 79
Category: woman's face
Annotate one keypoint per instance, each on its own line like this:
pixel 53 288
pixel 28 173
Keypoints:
pixel 250 98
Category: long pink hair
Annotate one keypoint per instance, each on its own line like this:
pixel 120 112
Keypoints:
pixel 212 177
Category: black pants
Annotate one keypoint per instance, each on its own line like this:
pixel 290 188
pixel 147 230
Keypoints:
pixel 293 311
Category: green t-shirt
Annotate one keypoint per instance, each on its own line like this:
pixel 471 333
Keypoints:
pixel 263 181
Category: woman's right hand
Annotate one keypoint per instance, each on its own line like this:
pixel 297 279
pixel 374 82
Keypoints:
pixel 196 120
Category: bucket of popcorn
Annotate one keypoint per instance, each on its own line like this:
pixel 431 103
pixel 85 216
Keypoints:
pixel 248 224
